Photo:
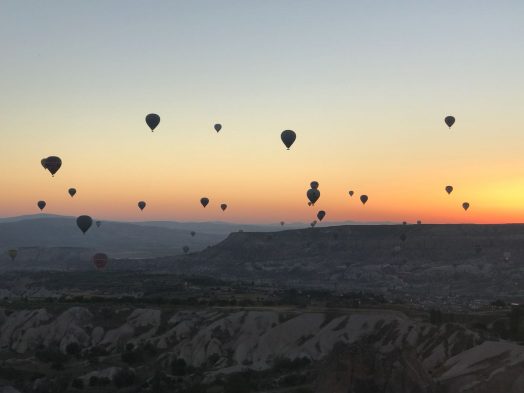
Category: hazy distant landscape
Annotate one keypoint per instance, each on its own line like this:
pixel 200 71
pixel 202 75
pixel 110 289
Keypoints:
pixel 292 310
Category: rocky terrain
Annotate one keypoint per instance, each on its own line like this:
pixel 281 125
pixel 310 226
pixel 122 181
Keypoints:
pixel 284 350
pixel 441 264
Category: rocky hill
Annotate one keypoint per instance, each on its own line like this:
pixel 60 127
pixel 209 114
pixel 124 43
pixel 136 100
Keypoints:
pixel 359 351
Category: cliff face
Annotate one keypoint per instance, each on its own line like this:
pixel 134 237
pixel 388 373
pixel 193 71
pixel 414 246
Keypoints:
pixel 360 352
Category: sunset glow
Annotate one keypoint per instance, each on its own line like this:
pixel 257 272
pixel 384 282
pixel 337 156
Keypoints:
pixel 367 104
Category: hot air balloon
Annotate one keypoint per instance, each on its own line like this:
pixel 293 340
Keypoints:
pixel 309 204
pixel 41 204
pixel 314 185
pixel 321 214
pixel 72 192
pixel 218 127
pixel 141 205
pixel 185 249
pixel 98 223
pixel 193 233
pixel 313 223
pixel 100 260
pixel 84 223
pixel 449 189
pixel 449 120
pixel 465 205
pixel 152 120
pixel 223 207
pixel 363 199
pixel 313 195
pixel 288 137
pixel 403 237
pixel 53 164
pixel 282 223
pixel 204 201
pixel 43 163
pixel 12 254
pixel 404 223
pixel 351 193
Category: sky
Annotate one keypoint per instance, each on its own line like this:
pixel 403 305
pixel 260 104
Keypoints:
pixel 365 85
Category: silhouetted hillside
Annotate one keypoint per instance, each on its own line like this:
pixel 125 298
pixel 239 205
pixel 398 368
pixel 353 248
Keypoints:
pixel 116 238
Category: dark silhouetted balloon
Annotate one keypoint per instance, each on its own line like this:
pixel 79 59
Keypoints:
pixel 449 189
pixel 84 223
pixel 98 223
pixel 282 223
pixel 403 237
pixel 321 214
pixel 313 223
pixel 314 185
pixel 449 120
pixel 100 260
pixel 223 207
pixel 152 120
pixel 204 201
pixel 193 233
pixel 309 204
pixel 53 164
pixel 288 137
pixel 12 254
pixel 465 205
pixel 141 205
pixel 72 192
pixel 43 163
pixel 41 205
pixel 218 127
pixel 351 193
pixel 185 249
pixel 313 195
pixel 404 223
pixel 363 199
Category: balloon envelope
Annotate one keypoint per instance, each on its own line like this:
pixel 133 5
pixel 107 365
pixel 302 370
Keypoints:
pixel 218 127
pixel 363 199
pixel 465 205
pixel 193 233
pixel 321 214
pixel 282 223
pixel 449 189
pixel 53 164
pixel 351 193
pixel 204 201
pixel 12 254
pixel 288 138
pixel 41 204
pixel 72 192
pixel 152 120
pixel 84 223
pixel 223 206
pixel 43 163
pixel 313 195
pixel 185 249
pixel 141 205
pixel 100 260
pixel 449 120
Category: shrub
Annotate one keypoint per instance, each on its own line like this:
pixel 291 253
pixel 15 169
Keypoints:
pixel 77 383
pixel 124 377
